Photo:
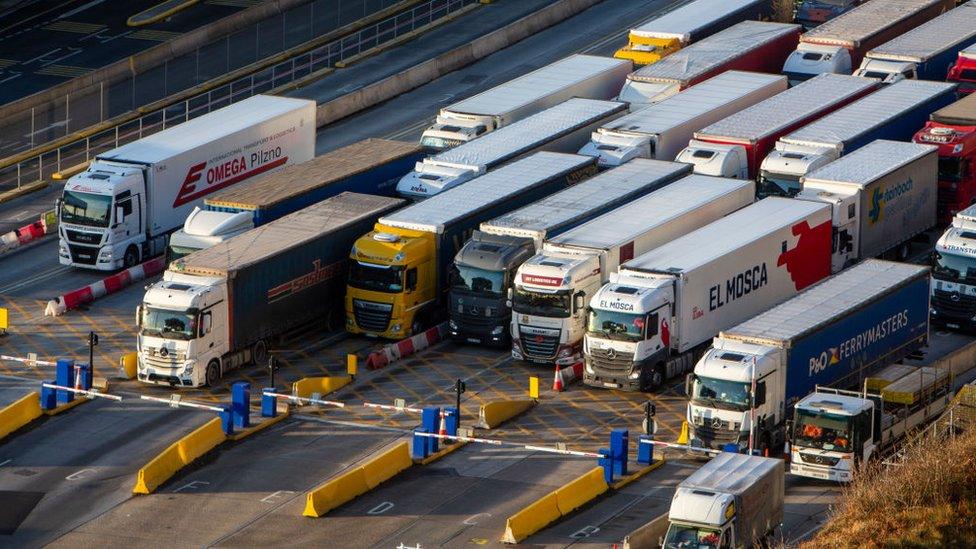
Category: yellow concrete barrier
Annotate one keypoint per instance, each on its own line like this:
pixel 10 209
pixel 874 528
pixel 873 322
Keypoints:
pixel 178 455
pixel 492 414
pixel 20 413
pixel 581 491
pixel 128 364
pixel 308 386
pixel 357 481
pixel 533 518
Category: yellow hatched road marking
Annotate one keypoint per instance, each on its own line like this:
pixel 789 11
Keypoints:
pixel 154 35
pixel 4 63
pixel 67 71
pixel 234 3
pixel 75 26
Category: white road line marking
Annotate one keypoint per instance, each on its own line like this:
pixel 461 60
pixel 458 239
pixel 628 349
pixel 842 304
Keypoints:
pixel 381 508
pixel 192 484
pixel 78 475
pixel 275 495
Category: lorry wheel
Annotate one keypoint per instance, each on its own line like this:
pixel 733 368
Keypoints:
pixel 131 257
pixel 259 353
pixel 213 373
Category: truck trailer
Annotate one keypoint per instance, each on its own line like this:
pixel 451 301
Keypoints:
pixel 731 501
pixel 895 112
pixel 219 308
pixel 736 145
pixel 812 13
pixel 839 45
pixel 485 267
pixel 835 334
pixel 121 210
pixel 665 34
pixel 563 128
pixel 746 46
pixel 398 282
pixel 371 166
pixel 661 130
pixel 953 130
pixel 926 52
pixel 586 76
pixel 552 288
pixel 653 318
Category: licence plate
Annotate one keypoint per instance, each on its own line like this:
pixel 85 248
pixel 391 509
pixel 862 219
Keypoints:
pixel 952 325
pixel 609 385
pixel 473 340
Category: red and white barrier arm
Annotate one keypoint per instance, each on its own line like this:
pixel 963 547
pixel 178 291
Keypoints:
pixel 494 442
pixel 109 285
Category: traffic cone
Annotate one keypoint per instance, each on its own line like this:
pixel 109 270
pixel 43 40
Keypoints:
pixel 557 381
pixel 77 378
pixel 442 430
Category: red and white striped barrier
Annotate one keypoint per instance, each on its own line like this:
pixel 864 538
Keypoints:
pixel 396 351
pixel 109 285
pixel 28 233
pixel 567 375
pixel 30 362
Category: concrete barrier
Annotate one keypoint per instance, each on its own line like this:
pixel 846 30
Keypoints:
pixel 324 385
pixel 28 233
pixel 555 505
pixel 18 414
pixel 357 481
pixel 178 455
pixel 960 361
pixel 459 57
pixel 406 347
pixel 108 285
pixel 492 414
pixel 649 535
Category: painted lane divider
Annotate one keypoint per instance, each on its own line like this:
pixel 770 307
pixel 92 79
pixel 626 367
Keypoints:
pixel 109 285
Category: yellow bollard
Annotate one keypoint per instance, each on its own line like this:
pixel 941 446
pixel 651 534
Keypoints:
pixel 127 365
pixel 352 364
pixel 533 387
pixel 3 321
pixel 683 436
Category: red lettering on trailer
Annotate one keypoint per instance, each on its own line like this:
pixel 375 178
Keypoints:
pixel 809 261
pixel 318 275
pixel 189 185
pixel 218 177
pixel 541 280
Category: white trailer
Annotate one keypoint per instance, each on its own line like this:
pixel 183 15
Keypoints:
pixel 670 301
pixel 121 210
pixel 552 288
pixel 563 128
pixel 586 76
pixel 663 129
pixel 882 195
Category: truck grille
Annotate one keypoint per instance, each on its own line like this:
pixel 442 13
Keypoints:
pixel 371 316
pixel 162 358
pixel 954 304
pixel 712 437
pixel 539 346
pixel 83 238
pixel 481 317
pixel 84 255
pixel 609 360
pixel 818 459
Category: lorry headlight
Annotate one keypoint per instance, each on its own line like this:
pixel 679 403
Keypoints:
pixel 350 321
pixel 62 248
pixel 565 352
pixel 933 312
pixel 105 254
pixel 497 330
pixel 453 325
pixel 396 327
pixel 188 366
pixel 588 367
pixel 635 374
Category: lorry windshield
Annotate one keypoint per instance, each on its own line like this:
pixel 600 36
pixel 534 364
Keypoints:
pixel 477 280
pixel 379 278
pixel 822 430
pixel 617 325
pixel 91 210
pixel 953 168
pixel 554 305
pixel 439 143
pixel 168 324
pixel 953 268
pixel 684 536
pixel 721 393
pixel 777 184
pixel 176 252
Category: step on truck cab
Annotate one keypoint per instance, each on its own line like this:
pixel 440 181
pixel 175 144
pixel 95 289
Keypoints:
pixel 585 76
pixel 552 288
pixel 836 334
pixel 665 34
pixel 835 430
pixel 746 46
pixel 895 112
pixel 370 166
pixel 399 271
pixel 562 128
pixel 220 308
pixel 658 312
pixel 121 210
pixel 485 267
pixel 963 71
pixel 733 500
pixel 953 130
pixel 925 52
pixel 661 130
pixel 839 45
pixel 735 145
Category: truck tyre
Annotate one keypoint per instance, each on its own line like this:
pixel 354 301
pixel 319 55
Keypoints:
pixel 213 373
pixel 131 257
pixel 259 353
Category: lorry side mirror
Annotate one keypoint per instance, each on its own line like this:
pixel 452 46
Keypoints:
pixel 57 207
pixel 139 315
pixel 206 322
pixel 689 382
pixel 578 301
pixel 508 297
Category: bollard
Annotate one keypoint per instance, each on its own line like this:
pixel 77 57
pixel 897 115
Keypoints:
pixel 240 398
pixel 619 448
pixel 269 403
pixel 533 387
pixel 418 450
pixel 64 376
pixel 645 451
pixel 352 364
pixel 49 397
pixel 227 420
pixel 430 419
pixel 606 461
pixel 451 420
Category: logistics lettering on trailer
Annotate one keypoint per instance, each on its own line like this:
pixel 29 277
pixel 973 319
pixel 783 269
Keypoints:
pixel 738 286
pixel 318 275
pixel 857 343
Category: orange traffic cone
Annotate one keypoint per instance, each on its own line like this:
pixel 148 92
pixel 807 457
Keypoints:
pixel 442 430
pixel 557 381
pixel 78 379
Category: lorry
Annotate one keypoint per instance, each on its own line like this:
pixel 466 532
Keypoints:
pixel 665 34
pixel 836 333
pixel 839 45
pixel 218 309
pixel 371 166
pixel 552 288
pixel 661 130
pixel 812 13
pixel 121 210
pixel 563 128
pixel 963 71
pixel 399 275
pixel 735 145
pixel 953 293
pixel 586 76
pixel 882 196
pixel 657 314
pixel 733 500
pixel 895 112
pixel 746 46
pixel 834 431
pixel 485 267
pixel 953 130
pixel 926 52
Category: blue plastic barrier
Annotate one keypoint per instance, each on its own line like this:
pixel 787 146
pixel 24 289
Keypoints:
pixel 430 419
pixel 240 403
pixel 49 397
pixel 645 451
pixel 269 403
pixel 64 371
